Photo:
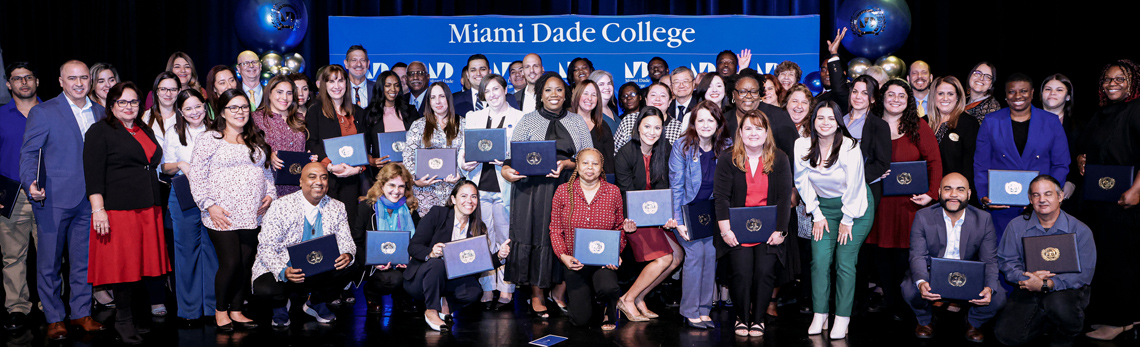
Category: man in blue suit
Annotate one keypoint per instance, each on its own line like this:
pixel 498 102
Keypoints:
pixel 1004 143
pixel 360 87
pixel 952 230
pixel 468 100
pixel 62 211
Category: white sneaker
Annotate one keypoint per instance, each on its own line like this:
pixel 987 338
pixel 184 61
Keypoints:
pixel 839 329
pixel 818 323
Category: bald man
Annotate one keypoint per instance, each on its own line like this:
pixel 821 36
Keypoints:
pixel 294 218
pixel 531 70
pixel 418 79
pixel 919 78
pixel 56 129
pixel 249 66
pixel 952 230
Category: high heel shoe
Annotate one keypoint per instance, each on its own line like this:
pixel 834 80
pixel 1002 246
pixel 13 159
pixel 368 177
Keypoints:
pixel 839 328
pixel 436 327
pixel 698 325
pixel 741 329
pixel 631 317
pixel 544 314
pixel 818 324
pixel 757 330
pixel 647 313
pixel 1107 332
pixel 559 304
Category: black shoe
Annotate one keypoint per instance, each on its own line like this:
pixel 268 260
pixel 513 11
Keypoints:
pixel 226 328
pixel 16 321
pixel 250 325
pixel 127 332
pixel 697 325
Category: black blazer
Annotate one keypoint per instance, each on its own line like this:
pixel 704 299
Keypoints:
pixel 783 129
pixel 840 89
pixel 366 221
pixel 433 228
pixel 321 128
pixel 423 106
pixel 374 124
pixel 630 169
pixel 115 165
pixel 957 148
pixel 732 189
pixel 876 147
pixel 463 102
pixel 672 109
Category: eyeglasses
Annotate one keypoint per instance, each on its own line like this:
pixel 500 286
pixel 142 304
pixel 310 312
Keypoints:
pixel 682 82
pixel 417 73
pixel 127 103
pixel 748 93
pixel 167 90
pixel 25 78
pixel 1117 79
pixel 985 76
pixel 192 108
pixel 238 108
pixel 249 63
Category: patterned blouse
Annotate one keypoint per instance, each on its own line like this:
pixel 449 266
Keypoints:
pixel 984 107
pixel 222 174
pixel 280 138
pixel 624 133
pixel 435 194
pixel 604 213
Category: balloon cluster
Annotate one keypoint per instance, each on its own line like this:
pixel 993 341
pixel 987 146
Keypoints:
pixel 894 66
pixel 880 27
pixel 273 26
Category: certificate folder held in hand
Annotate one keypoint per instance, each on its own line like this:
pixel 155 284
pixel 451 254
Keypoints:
pixel 467 256
pixel 1010 187
pixel 1107 182
pixel 386 247
pixel 315 256
pixel 597 247
pixel 533 158
pixel 181 185
pixel 294 162
pixel 435 162
pixel 485 145
pixel 906 178
pixel 752 224
pixel 957 279
pixel 649 207
pixel 1053 253
pixel 347 150
pixel 392 145
pixel 9 190
pixel 700 219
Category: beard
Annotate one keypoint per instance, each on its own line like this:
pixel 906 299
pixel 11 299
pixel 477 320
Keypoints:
pixel 945 207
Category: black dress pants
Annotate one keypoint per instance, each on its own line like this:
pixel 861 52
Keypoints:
pixel 587 286
pixel 321 288
pixel 430 284
pixel 1029 314
pixel 754 272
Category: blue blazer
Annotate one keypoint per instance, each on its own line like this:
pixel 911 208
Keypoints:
pixel 684 177
pixel 463 102
pixel 1046 150
pixel 52 126
pixel 978 242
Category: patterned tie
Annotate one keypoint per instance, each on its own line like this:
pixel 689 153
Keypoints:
pixel 251 98
pixel 356 95
pixel 922 109
pixel 478 104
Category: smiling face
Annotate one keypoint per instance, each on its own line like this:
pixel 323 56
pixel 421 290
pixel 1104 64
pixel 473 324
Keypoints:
pixel 250 67
pixel 894 100
pixel 919 76
pixel 682 84
pixel 747 94
pixel 301 90
pixel 334 85
pixel 438 101
pixel 589 166
pixel 715 93
pixel 236 113
pixel 1115 84
pixel 394 189
pixel 126 109
pixel 946 98
pixel 476 69
pixel 224 80
pixel 797 106
pixel 770 93
pixel 580 71
pixel 658 97
pixel 955 193
pixel 752 134
pixel 495 93
pixel 74 79
pixel 391 89
pixel 1018 95
pixel 314 182
pixel 1054 94
pixel 417 78
pixel 705 124
pixel 532 68
pixel 183 70
pixel 630 98
pixel 588 100
pixel 517 77
pixel 466 199
pixel 193 111
pixel 657 68
pixel 103 83
pixel 825 123
pixel 167 91
pixel 860 98
pixel 553 94
pixel 281 97
pixel 981 79
pixel 787 79
pixel 356 62
pixel 649 131
pixel 605 88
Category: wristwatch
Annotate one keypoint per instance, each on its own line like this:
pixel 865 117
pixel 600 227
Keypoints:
pixel 1045 287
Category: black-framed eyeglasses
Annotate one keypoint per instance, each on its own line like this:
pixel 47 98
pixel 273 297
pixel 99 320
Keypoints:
pixel 249 63
pixel 25 78
pixel 1117 79
pixel 748 93
pixel 127 103
pixel 985 76
pixel 629 95
pixel 167 90
pixel 238 108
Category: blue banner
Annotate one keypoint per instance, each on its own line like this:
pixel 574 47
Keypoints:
pixel 621 45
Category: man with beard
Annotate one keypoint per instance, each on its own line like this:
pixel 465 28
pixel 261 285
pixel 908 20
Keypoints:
pixel 919 78
pixel 468 100
pixel 17 230
pixel 531 69
pixel 952 230
pixel 301 216
pixel 417 86
pixel 249 67
pixel 357 63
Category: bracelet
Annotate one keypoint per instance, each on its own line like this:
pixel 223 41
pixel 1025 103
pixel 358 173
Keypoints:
pixel 93 211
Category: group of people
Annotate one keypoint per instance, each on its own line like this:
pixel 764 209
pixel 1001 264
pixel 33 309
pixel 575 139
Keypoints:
pixel 729 138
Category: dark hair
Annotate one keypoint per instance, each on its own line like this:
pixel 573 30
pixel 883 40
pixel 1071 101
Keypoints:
pixel 475 225
pixel 180 122
pixel 720 139
pixel 636 88
pixel 781 93
pixel 540 86
pixel 730 55
pixel 740 77
pixel 193 81
pixel 595 114
pixel 1131 72
pixel 1067 108
pixel 993 71
pixel 400 64
pixel 659 159
pixel 95 70
pixel 298 79
pixel 375 112
pixel 293 118
pixel 477 56
pixel 703 88
pixel 813 153
pixel 22 65
pixel 482 87
pixel 327 106
pixel 872 85
pixel 1019 77
pixel 155 109
pixel 253 137
pixel 451 129
pixel 909 122
pixel 1042 177
pixel 356 48
pixel 113 96
pixel 211 78
pixel 662 61
pixel 574 177
pixel 570 69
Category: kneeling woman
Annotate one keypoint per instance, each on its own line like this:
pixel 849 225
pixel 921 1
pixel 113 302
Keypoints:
pixel 588 202
pixel 388 206
pixel 757 174
pixel 425 279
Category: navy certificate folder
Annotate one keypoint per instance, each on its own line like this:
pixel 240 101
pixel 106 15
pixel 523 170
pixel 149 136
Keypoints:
pixel 41 173
pixel 181 185
pixel 485 145
pixel 597 247
pixel 548 340
pixel 1107 182
pixel 435 162
pixel 1010 187
pixel 294 162
pixel 392 145
pixel 467 256
pixel 1053 253
pixel 9 189
pixel 533 158
pixel 387 247
pixel 347 150
pixel 752 224
pixel 649 207
pixel 700 219
pixel 957 279
pixel 906 178
pixel 315 256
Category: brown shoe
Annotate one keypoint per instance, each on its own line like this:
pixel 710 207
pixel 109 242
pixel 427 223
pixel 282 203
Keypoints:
pixel 57 331
pixel 924 331
pixel 974 334
pixel 88 324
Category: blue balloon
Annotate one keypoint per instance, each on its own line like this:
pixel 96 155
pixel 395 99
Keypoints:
pixel 814 82
pixel 264 25
pixel 875 27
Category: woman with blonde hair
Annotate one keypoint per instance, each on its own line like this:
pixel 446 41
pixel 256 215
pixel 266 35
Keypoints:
pixel 387 206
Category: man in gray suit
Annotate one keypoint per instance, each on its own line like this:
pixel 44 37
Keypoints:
pixel 952 230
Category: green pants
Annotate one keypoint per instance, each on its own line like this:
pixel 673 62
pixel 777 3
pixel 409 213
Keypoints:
pixel 846 256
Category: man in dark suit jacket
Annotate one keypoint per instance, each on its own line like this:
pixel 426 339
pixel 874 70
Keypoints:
pixel 532 70
pixel 63 213
pixel 417 87
pixel 468 100
pixel 359 87
pixel 682 87
pixel 952 230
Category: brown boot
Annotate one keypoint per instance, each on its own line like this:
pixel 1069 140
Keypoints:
pixel 57 331
pixel 88 324
pixel 924 331
pixel 974 334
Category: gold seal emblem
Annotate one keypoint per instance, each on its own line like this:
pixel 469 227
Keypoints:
pixel 953 137
pixel 485 145
pixel 754 225
pixel 388 247
pixel 1106 183
pixel 467 256
pixel 904 178
pixel 435 163
pixel 704 219
pixel 1050 254
pixel 1012 188
pixel 649 207
pixel 345 151
pixel 957 279
pixel 315 257
pixel 295 168
pixel 533 158
pixel 398 146
pixel 597 247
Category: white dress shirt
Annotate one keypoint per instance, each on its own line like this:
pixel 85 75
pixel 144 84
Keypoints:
pixel 953 236
pixel 528 99
pixel 359 89
pixel 255 99
pixel 160 132
pixel 84 116
pixel 173 151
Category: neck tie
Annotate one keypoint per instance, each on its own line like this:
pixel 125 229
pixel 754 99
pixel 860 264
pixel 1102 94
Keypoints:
pixel 922 109
pixel 251 98
pixel 680 110
pixel 478 104
pixel 356 95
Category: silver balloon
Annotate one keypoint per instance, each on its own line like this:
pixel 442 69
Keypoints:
pixel 284 70
pixel 894 66
pixel 857 67
pixel 295 63
pixel 270 62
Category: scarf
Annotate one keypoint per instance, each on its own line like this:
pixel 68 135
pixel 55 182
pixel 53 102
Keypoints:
pixel 399 220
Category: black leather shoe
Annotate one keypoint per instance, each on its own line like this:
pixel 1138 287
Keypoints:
pixel 226 328
pixel 16 321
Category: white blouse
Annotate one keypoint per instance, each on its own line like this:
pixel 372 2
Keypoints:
pixel 173 151
pixel 160 132
pixel 843 179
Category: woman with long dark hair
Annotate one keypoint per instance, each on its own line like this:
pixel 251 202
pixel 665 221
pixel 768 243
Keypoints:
pixel 182 67
pixel 283 125
pixel 220 78
pixel 1057 98
pixel 302 89
pixel 713 88
pixel 103 77
pixel 159 117
pixel 388 112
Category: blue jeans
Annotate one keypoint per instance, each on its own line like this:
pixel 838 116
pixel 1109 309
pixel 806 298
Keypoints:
pixel 698 277
pixel 195 262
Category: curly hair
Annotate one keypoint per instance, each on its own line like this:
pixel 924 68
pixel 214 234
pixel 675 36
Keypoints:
pixel 387 173
pixel 908 124
pixel 1131 71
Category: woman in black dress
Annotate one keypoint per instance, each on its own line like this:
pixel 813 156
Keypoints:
pixel 957 135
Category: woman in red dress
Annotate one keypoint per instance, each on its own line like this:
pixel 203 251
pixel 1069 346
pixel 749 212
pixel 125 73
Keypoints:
pixel 120 155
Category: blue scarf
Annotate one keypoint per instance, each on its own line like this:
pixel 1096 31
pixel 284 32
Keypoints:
pixel 399 220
